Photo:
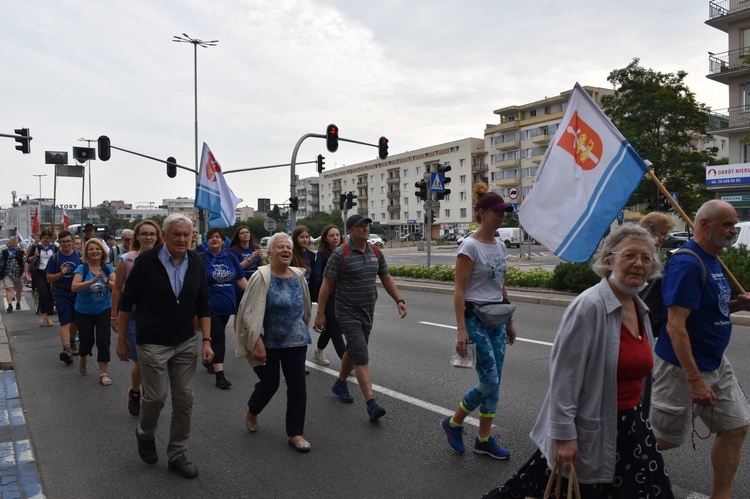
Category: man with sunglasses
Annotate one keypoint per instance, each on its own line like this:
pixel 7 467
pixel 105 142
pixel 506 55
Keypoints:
pixel 692 376
pixel 122 248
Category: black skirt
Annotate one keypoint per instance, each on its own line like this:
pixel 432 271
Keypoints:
pixel 639 468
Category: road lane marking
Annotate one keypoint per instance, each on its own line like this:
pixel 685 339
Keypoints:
pixel 398 395
pixel 448 326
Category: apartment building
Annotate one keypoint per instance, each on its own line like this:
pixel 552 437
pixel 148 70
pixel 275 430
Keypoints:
pixel 732 68
pixel 386 193
pixel 515 147
pixel 308 195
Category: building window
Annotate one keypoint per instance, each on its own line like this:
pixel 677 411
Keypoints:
pixel 463 212
pixel 462 196
pixel 462 179
pixel 382 216
pixel 406 215
pixel 447 213
pixel 406 172
pixel 406 201
pixel 382 177
pixel 532 113
pixel 462 163
pixel 548 110
pixel 419 215
pixel 382 189
pixel 419 170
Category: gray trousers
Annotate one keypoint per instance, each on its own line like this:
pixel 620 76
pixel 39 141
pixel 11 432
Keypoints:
pixel 165 367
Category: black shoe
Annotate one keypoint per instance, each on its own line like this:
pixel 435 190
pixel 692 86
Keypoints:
pixel 209 367
pixel 134 402
pixel 18 306
pixel 183 467
pixel 10 308
pixel 147 450
pixel 221 382
pixel 374 410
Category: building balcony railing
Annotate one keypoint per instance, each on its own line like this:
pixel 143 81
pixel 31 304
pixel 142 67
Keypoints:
pixel 395 193
pixel 362 182
pixel 508 162
pixel 480 167
pixel 336 189
pixel 393 180
pixel 394 207
pixel 511 144
pixel 508 125
pixel 737 117
pixel 362 197
pixel 541 139
pixel 728 64
pixel 362 210
pixel 723 12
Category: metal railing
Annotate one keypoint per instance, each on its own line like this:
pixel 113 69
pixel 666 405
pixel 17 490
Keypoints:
pixel 733 117
pixel 729 61
pixel 723 8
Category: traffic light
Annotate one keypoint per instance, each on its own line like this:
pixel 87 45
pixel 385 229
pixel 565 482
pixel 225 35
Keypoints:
pixel 382 148
pixel 350 201
pixel 664 204
pixel 294 203
pixel 24 142
pixel 422 192
pixel 321 163
pixel 171 167
pixel 443 170
pixel 342 201
pixel 104 148
pixel 332 138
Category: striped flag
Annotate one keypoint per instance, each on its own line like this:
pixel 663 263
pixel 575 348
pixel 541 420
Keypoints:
pixel 213 194
pixel 586 177
pixel 65 220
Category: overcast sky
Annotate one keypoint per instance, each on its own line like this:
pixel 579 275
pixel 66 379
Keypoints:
pixel 420 72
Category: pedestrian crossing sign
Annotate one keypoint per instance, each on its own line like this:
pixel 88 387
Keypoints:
pixel 436 182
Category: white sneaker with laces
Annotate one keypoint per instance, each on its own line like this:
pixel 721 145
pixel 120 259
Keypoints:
pixel 320 358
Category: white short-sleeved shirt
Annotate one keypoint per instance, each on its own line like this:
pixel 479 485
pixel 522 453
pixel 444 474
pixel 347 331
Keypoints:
pixel 487 277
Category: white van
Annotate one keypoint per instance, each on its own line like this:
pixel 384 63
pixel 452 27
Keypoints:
pixel 511 236
pixel 743 235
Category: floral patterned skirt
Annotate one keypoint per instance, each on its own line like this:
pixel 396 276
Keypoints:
pixel 639 468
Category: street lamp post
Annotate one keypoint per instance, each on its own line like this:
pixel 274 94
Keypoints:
pixel 39 176
pixel 88 165
pixel 185 38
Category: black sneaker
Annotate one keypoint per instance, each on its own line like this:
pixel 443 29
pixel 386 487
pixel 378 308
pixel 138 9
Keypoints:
pixel 10 308
pixel 183 467
pixel 374 410
pixel 147 449
pixel 18 306
pixel 134 402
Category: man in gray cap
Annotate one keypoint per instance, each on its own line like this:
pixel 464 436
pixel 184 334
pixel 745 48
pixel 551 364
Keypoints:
pixel 350 275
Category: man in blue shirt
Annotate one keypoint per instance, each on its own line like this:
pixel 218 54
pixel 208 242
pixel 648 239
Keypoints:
pixel 692 377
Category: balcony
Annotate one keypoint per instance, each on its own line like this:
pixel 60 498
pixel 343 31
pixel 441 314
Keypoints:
pixel 723 12
pixel 393 194
pixel 362 182
pixel 336 188
pixel 363 197
pixel 505 146
pixel 362 210
pixel 508 125
pixel 479 167
pixel 508 162
pixel 394 207
pixel 726 65
pixel 732 119
pixel 541 139
pixel 393 180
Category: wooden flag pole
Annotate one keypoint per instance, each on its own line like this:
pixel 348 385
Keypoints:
pixel 732 280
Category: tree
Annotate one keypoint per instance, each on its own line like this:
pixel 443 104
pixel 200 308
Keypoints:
pixel 658 114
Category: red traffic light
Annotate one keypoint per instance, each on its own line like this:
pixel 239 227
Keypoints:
pixel 382 148
pixel 332 138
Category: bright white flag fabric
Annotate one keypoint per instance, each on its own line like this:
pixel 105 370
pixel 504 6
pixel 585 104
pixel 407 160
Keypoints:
pixel 213 194
pixel 586 177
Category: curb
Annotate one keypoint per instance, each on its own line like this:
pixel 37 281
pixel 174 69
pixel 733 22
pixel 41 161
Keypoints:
pixel 553 298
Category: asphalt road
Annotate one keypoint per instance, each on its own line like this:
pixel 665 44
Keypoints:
pixel 83 435
pixel 446 255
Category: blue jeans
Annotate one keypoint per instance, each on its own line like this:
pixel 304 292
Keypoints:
pixel 490 343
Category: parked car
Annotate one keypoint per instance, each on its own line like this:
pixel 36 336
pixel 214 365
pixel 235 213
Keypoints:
pixel 264 241
pixel 675 240
pixel 743 235
pixel 412 236
pixel 511 236
pixel 376 240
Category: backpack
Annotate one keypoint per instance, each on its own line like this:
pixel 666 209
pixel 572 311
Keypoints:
pixel 18 255
pixel 653 299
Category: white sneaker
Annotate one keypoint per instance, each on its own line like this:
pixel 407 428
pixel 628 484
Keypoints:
pixel 319 358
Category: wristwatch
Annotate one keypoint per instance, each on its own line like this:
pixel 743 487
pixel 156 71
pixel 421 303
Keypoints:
pixel 206 339
pixel 400 301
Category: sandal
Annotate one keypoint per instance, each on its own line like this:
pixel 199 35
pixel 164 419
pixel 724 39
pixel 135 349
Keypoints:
pixel 104 380
pixel 49 322
pixel 300 445
pixel 43 321
pixel 82 366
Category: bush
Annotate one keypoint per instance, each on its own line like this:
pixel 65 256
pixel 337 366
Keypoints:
pixel 738 263
pixel 575 277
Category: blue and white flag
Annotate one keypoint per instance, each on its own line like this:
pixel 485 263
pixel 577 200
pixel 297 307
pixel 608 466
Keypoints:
pixel 213 194
pixel 586 177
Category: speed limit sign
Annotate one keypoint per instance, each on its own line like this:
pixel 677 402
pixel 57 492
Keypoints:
pixel 513 192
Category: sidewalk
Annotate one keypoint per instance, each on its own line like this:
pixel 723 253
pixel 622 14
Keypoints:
pixel 19 473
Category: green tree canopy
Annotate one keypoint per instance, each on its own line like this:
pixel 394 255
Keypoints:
pixel 658 114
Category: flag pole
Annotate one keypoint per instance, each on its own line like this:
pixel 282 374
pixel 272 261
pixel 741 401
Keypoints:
pixel 732 280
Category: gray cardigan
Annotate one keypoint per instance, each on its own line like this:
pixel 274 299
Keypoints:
pixel 581 402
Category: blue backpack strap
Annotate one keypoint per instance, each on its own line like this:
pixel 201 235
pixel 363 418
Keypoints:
pixel 688 251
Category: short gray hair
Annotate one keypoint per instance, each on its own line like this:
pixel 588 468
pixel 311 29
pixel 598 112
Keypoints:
pixel 127 232
pixel 613 241
pixel 279 235
pixel 176 219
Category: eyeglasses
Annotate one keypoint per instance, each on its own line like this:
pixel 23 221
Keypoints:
pixel 147 234
pixel 631 257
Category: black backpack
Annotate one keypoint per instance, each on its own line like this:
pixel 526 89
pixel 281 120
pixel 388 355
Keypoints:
pixel 652 296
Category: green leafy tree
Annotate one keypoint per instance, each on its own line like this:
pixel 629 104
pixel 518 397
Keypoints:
pixel 658 114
